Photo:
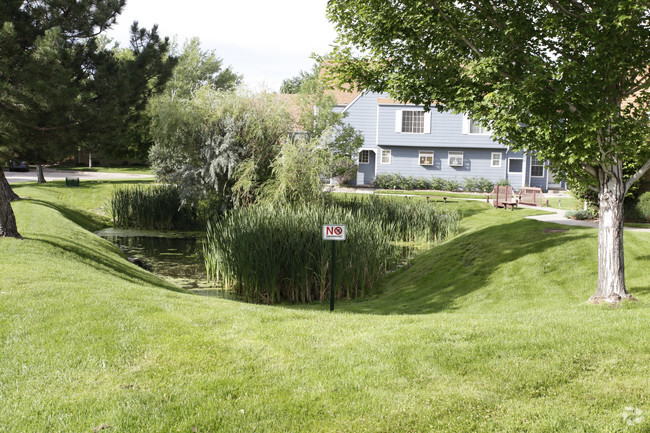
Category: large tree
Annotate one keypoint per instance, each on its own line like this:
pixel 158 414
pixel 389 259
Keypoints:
pixel 567 79
pixel 61 88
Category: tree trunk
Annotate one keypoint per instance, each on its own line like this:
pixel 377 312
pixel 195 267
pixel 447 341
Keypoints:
pixel 611 267
pixel 4 184
pixel 7 219
pixel 39 174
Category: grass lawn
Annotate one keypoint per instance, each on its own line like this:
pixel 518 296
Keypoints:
pixel 448 194
pixel 487 332
pixel 568 203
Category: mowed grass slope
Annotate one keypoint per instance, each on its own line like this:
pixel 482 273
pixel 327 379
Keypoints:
pixel 486 332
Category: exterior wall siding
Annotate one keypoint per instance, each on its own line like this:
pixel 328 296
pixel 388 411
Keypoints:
pixel 362 114
pixel 366 172
pixel 375 117
pixel 446 131
pixel 476 163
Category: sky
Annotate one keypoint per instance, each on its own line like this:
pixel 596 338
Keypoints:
pixel 265 40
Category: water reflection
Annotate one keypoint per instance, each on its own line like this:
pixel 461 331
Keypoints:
pixel 176 257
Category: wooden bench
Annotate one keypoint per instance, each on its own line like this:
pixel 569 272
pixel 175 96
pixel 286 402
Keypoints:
pixel 532 196
pixel 511 204
pixel 501 195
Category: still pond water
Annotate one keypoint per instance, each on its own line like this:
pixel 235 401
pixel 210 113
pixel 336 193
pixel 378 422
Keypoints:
pixel 177 256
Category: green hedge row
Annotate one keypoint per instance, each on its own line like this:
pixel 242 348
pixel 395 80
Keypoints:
pixel 469 184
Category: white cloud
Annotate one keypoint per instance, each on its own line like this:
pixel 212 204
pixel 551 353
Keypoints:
pixel 267 41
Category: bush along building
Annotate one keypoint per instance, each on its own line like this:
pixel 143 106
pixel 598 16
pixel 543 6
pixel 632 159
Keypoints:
pixel 404 139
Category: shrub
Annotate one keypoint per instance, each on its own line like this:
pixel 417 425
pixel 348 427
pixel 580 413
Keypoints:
pixel 387 180
pixel 438 183
pixel 470 183
pixel 581 214
pixel 485 184
pixel 638 210
pixel 502 182
pixel 451 185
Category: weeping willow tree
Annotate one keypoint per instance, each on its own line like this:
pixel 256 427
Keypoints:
pixel 206 141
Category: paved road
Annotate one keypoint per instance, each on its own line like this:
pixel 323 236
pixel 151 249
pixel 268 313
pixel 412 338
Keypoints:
pixel 52 174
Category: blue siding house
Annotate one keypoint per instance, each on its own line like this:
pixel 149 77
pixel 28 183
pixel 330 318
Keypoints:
pixel 403 138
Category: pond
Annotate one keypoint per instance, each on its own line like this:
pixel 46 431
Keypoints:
pixel 174 256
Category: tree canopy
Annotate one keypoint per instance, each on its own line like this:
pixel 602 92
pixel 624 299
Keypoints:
pixel 566 79
pixel 62 88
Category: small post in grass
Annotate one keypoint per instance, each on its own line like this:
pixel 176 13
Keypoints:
pixel 333 232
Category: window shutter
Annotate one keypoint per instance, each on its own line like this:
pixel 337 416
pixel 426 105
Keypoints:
pixel 398 121
pixel 465 124
pixel 427 122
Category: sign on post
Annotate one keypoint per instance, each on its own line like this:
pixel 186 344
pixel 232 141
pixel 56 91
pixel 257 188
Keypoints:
pixel 333 232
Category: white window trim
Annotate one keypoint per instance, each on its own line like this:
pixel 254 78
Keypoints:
pixel 381 157
pixel 398 123
pixel 467 128
pixel 429 153
pixel 539 165
pixel 522 166
pixel 456 155
pixel 368 153
pixel 492 159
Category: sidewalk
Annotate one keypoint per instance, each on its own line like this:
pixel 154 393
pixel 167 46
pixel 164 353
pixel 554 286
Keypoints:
pixel 559 218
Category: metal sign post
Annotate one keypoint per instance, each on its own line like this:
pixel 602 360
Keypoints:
pixel 333 232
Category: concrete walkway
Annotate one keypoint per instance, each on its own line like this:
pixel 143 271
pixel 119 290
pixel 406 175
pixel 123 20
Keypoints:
pixel 558 217
pixel 52 174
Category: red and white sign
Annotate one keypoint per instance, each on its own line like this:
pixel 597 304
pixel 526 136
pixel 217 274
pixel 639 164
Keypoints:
pixel 333 232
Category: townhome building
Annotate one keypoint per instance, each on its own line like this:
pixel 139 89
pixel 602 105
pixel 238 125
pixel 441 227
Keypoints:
pixel 404 138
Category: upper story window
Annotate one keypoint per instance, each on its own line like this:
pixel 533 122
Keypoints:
pixel 474 128
pixel 412 122
pixel 364 157
pixel 536 167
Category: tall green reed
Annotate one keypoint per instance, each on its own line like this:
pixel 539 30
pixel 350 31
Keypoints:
pixel 155 207
pixel 275 254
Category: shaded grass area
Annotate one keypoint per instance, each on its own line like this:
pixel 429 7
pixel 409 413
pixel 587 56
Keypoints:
pixel 448 194
pixel 87 205
pixel 487 332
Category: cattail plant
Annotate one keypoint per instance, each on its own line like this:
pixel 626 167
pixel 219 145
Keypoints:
pixel 276 254
pixel 149 208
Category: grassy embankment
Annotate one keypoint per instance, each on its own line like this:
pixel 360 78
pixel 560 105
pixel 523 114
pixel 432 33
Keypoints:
pixel 486 332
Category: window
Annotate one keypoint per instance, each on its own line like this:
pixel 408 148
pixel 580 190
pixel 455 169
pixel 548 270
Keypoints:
pixel 455 159
pixel 472 127
pixel 515 165
pixel 385 156
pixel 496 159
pixel 426 157
pixel 536 167
pixel 412 122
pixel 364 157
